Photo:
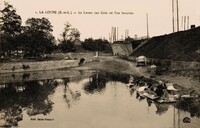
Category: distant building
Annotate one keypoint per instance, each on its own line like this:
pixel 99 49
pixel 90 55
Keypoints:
pixel 78 46
pixel 77 42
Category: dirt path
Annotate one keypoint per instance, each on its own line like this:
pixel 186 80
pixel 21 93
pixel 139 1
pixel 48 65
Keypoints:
pixel 132 69
pixel 113 64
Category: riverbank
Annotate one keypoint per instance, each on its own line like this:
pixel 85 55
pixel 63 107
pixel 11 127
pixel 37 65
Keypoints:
pixel 117 65
pixel 112 64
pixel 186 82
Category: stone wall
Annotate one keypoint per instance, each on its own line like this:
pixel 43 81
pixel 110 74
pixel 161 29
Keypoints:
pixel 65 60
pixel 87 56
pixel 122 49
pixel 36 66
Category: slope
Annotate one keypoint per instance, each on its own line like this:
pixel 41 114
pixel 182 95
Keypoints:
pixel 182 46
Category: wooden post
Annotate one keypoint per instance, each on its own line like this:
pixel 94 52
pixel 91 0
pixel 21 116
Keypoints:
pixel 147 25
pixel 173 16
pixel 177 15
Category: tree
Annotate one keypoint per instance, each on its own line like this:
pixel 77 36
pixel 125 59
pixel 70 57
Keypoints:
pixel 66 46
pixel 10 29
pixel 37 37
pixel 89 44
pixel 40 24
pixel 97 45
pixel 11 21
pixel 69 35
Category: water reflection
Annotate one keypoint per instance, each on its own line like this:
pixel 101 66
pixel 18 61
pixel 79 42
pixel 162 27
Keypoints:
pixel 191 105
pixel 97 82
pixel 70 96
pixel 114 102
pixel 32 96
pixel 139 97
pixel 161 108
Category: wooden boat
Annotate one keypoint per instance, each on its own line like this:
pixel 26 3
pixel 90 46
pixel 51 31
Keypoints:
pixel 167 100
pixel 188 96
pixel 150 96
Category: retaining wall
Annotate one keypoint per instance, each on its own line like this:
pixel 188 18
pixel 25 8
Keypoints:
pixel 122 49
pixel 171 63
pixel 36 66
pixel 49 65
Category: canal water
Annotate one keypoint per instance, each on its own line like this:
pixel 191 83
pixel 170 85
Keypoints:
pixel 95 100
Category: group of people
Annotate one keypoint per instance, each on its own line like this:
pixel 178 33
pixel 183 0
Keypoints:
pixel 159 89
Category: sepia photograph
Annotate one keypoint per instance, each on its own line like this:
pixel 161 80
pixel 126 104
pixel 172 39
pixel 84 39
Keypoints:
pixel 99 63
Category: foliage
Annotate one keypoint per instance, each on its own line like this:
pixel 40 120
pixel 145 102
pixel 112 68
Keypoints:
pixel 11 21
pixel 66 46
pixel 40 24
pixel 10 29
pixel 69 35
pixel 37 37
pixel 97 45
pixel 34 39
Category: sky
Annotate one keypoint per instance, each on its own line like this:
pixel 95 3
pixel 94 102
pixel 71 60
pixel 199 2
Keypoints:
pixel 99 25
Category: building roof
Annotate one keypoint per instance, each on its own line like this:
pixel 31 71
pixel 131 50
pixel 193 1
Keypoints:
pixel 77 42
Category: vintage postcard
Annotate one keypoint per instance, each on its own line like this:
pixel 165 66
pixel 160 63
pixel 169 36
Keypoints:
pixel 99 63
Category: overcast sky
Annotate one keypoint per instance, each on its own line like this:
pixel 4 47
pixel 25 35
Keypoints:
pixel 97 26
